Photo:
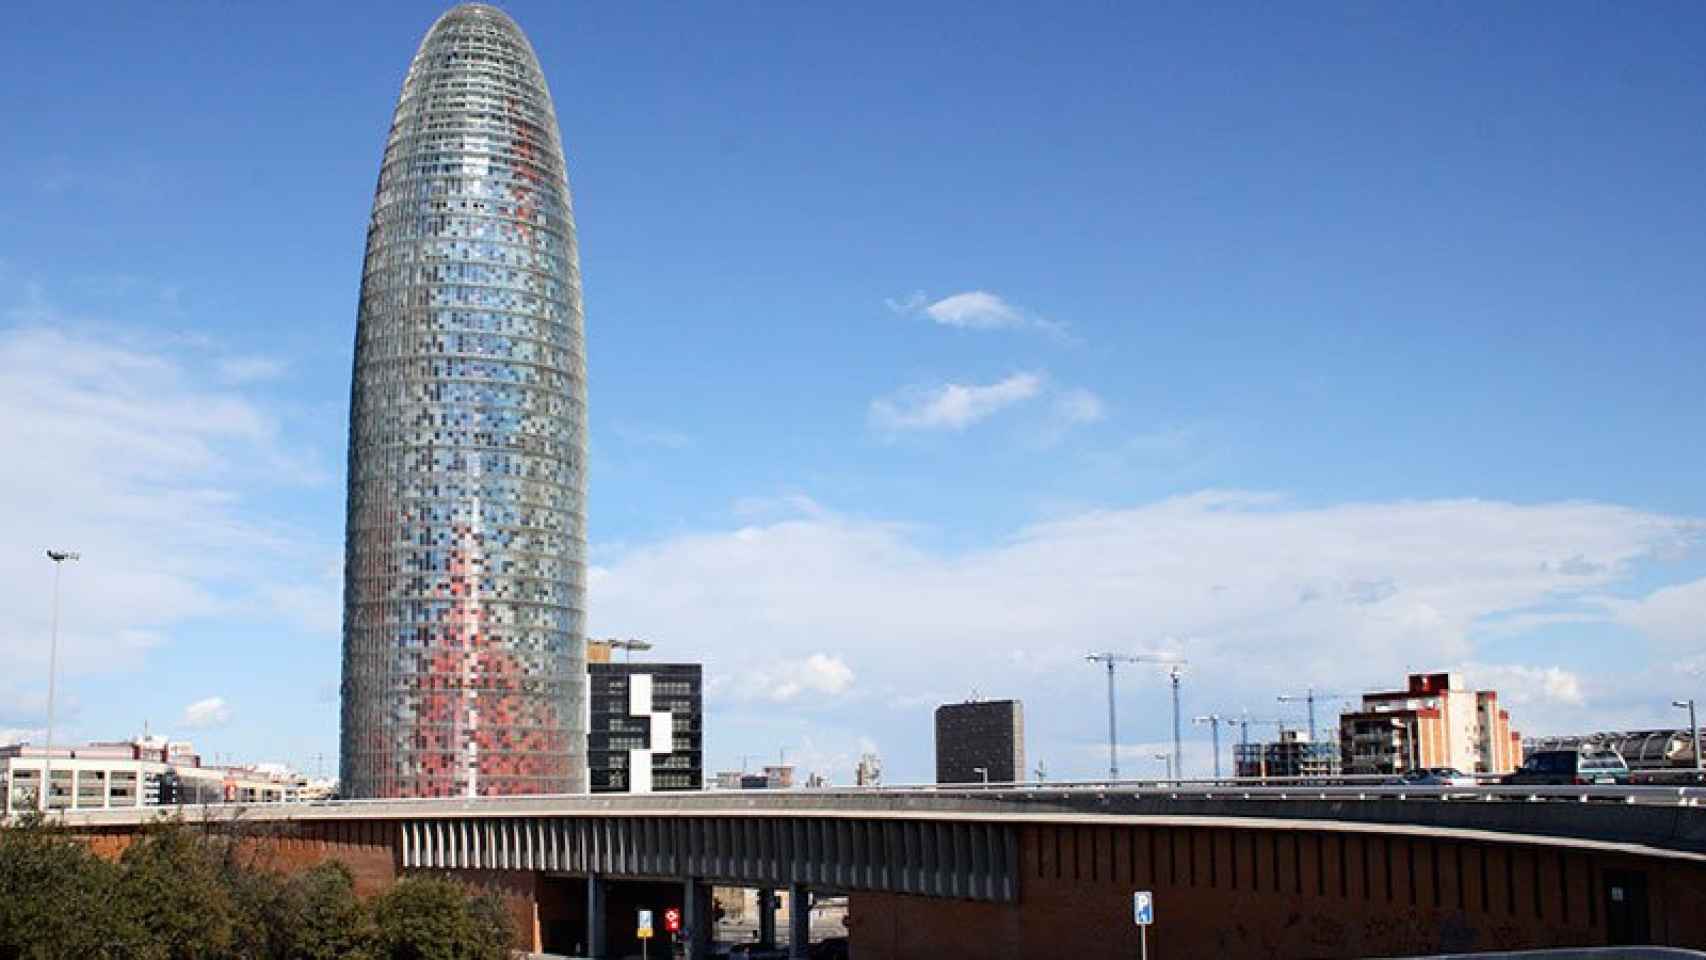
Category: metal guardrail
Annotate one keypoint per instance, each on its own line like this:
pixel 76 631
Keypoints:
pixel 1265 788
pixel 1346 789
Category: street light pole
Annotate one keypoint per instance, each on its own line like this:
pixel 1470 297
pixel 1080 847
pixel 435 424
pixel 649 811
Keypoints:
pixel 58 557
pixel 1693 731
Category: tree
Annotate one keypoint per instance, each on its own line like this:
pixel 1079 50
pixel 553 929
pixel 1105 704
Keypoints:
pixel 333 924
pixel 173 886
pixel 180 893
pixel 56 897
pixel 268 914
pixel 430 918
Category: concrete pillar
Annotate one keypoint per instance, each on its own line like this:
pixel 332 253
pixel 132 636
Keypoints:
pixel 767 918
pixel 799 921
pixel 595 936
pixel 696 919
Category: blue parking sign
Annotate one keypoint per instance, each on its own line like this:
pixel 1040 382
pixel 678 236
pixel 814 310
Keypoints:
pixel 1143 906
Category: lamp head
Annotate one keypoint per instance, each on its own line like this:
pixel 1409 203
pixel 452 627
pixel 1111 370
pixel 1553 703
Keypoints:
pixel 1684 704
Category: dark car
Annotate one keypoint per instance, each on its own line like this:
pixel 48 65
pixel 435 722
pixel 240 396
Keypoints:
pixel 1438 777
pixel 829 948
pixel 1570 767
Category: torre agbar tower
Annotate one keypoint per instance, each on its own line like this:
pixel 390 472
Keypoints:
pixel 465 556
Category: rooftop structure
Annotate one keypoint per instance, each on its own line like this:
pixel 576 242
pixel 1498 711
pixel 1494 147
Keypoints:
pixel 465 566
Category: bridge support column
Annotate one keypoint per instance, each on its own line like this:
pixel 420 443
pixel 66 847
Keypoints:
pixel 595 937
pixel 696 919
pixel 799 921
pixel 767 918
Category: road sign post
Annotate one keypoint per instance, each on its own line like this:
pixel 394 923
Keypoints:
pixel 645 933
pixel 1143 912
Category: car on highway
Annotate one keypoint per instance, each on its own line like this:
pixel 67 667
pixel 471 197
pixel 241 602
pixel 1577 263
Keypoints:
pixel 1570 768
pixel 1438 777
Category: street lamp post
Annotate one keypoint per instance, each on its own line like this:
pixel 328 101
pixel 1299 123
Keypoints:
pixel 984 771
pixel 58 557
pixel 1693 731
pixel 1167 759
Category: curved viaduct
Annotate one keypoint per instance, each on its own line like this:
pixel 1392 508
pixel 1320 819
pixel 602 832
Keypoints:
pixel 1018 873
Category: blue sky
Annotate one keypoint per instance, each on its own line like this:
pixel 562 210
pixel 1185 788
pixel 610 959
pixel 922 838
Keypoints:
pixel 929 349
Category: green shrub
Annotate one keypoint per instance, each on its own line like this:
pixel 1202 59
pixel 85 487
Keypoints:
pixel 430 918
pixel 179 893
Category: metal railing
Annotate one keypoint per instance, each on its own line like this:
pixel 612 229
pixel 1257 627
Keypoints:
pixel 1344 789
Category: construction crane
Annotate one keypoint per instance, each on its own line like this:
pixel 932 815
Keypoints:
pixel 1244 721
pixel 1214 720
pixel 1175 669
pixel 1310 696
pixel 626 646
pixel 1114 659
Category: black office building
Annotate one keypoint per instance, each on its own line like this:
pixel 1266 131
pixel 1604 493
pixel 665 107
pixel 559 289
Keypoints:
pixel 986 734
pixel 647 727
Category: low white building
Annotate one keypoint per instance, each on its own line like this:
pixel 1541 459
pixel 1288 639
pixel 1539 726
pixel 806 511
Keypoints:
pixel 145 772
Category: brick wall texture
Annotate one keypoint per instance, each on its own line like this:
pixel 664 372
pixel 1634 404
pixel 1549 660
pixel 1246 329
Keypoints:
pixel 1274 894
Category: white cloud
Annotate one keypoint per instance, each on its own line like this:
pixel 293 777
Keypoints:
pixel 1523 685
pixel 239 370
pixel 974 310
pixel 1079 405
pixel 1348 597
pixel 952 406
pixel 1673 617
pixel 207 714
pixel 315 607
pixel 786 680
pixel 770 508
pixel 654 437
pixel 136 457
pixel 910 304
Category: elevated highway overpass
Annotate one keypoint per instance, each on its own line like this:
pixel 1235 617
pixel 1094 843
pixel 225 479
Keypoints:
pixel 1238 870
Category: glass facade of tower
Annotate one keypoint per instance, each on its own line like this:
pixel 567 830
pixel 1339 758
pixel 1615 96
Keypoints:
pixel 465 559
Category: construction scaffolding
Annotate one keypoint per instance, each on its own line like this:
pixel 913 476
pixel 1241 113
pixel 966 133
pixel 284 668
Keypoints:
pixel 1292 755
